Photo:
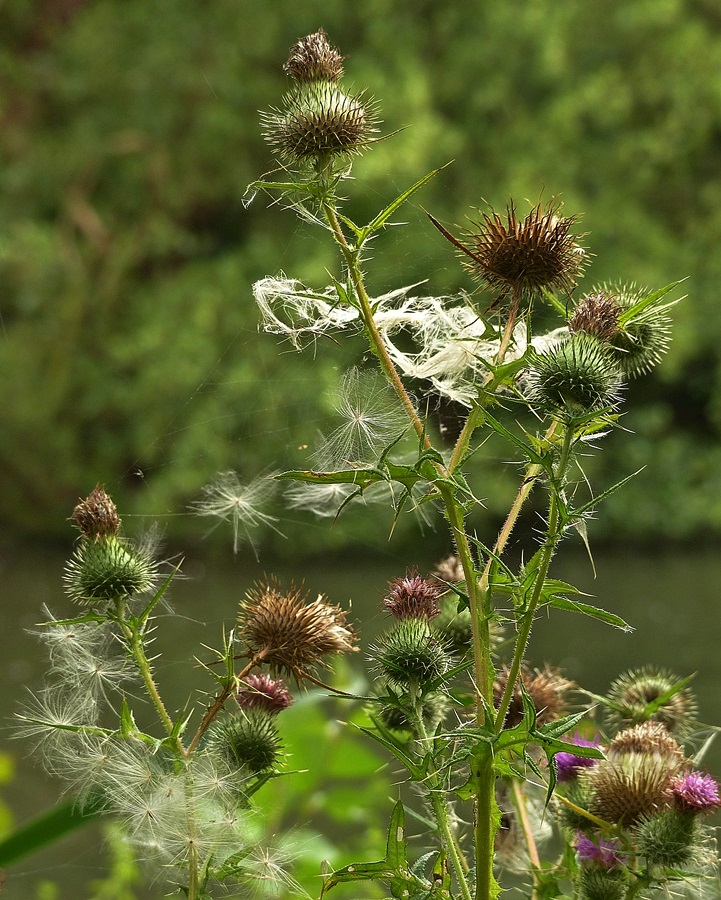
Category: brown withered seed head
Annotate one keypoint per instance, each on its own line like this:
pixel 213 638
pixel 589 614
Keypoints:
pixel 290 634
pixel 313 58
pixel 547 688
pixel 525 254
pixel 630 786
pixel 96 516
pixel 412 597
pixel 449 570
pixel 596 314
pixel 646 738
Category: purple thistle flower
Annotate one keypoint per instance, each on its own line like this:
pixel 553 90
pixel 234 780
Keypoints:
pixel 695 792
pixel 413 597
pixel 568 764
pixel 604 853
pixel 263 692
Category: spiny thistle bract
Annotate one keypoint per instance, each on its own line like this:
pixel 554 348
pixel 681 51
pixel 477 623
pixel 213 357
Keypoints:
pixel 412 597
pixel 630 786
pixel 108 568
pixel 313 58
pixel 634 698
pixel 433 708
pixel 96 516
pixel 596 314
pixel 645 738
pixel 411 654
pixel 526 255
pixel 260 691
pixel 290 634
pixel 575 378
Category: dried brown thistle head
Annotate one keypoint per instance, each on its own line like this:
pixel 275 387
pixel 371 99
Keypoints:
pixel 313 58
pixel 596 314
pixel 96 516
pixel 290 634
pixel 546 687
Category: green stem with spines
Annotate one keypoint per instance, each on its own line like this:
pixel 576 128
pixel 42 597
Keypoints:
pixel 134 637
pixel 552 538
pixel 436 797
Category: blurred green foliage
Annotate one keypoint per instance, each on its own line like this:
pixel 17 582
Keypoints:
pixel 129 351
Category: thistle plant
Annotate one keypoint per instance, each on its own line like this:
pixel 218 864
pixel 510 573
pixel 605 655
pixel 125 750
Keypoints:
pixel 501 755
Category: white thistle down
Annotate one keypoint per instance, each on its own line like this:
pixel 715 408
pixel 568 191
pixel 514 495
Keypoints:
pixel 229 500
pixel 454 344
pixel 371 419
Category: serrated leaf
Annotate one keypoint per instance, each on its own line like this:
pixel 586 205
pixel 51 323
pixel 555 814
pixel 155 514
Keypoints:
pixel 525 448
pixel 639 308
pixel 384 215
pixel 392 868
pixel 586 609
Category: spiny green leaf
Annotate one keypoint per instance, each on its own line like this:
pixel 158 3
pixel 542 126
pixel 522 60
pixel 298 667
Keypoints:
pixel 637 309
pixel 586 609
pixel 384 215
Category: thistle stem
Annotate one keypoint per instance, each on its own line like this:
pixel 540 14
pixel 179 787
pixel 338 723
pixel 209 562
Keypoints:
pixel 552 538
pixel 351 258
pixel 440 810
pixel 134 637
pixel 522 811
pixel 475 416
pixel 219 702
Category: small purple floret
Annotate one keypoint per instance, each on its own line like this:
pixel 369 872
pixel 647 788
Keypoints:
pixel 568 764
pixel 263 692
pixel 604 853
pixel 696 792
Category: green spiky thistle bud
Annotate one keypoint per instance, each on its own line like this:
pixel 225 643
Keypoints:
pixel 597 883
pixel 668 838
pixel 318 121
pixel 249 740
pixel 108 568
pixel 643 338
pixel 410 654
pixel 575 378
pixel 634 698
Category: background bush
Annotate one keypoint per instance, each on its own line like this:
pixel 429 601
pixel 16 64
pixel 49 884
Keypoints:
pixel 129 131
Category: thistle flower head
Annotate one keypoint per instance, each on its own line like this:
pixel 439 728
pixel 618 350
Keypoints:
pixel 628 786
pixel 648 738
pixel 449 570
pixel 289 633
pixel 667 838
pixel 249 740
pixel 97 515
pixel 546 687
pixel 574 378
pixel 313 58
pixel 650 694
pixel 597 314
pixel 597 850
pixel 263 692
pixel 412 597
pixel 538 251
pixel 569 764
pixel 695 792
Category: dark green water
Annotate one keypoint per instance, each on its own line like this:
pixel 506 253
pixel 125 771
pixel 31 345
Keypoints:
pixel 672 599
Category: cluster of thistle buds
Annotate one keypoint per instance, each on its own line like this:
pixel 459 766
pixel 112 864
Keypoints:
pixel 636 816
pixel 184 797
